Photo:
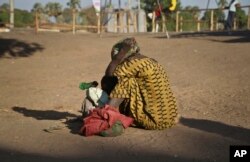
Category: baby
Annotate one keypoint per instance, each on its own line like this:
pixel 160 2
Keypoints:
pixel 97 97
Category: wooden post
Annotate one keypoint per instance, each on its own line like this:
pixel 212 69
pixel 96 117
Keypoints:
pixel 181 23
pixel 153 22
pixel 128 18
pixel 73 21
pixel 36 22
pixel 234 24
pixel 145 23
pixel 122 21
pixel 116 21
pixel 164 28
pixel 177 21
pixel 198 24
pixel 212 20
pixel 248 19
pixel 216 25
pixel 11 3
pixel 135 22
pixel 98 23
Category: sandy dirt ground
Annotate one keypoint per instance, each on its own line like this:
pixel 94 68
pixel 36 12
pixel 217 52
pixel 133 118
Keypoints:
pixel 39 78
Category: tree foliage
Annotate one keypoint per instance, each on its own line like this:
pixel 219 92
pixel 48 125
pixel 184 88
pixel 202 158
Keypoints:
pixel 53 9
pixel 74 4
pixel 4 15
pixel 23 18
pixel 38 7
pixel 88 16
pixel 241 18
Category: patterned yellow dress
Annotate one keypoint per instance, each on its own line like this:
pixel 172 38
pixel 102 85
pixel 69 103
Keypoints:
pixel 144 82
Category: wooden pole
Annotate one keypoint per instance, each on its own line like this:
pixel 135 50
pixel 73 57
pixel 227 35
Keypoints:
pixel 136 25
pixel 153 22
pixel 181 23
pixel 198 24
pixel 133 21
pixel 164 28
pixel 216 25
pixel 177 21
pixel 128 18
pixel 74 21
pixel 212 20
pixel 36 22
pixel 248 20
pixel 98 23
pixel 116 22
pixel 121 21
pixel 11 2
pixel 234 24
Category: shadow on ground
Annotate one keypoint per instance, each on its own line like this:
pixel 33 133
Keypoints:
pixel 234 132
pixel 110 151
pixel 8 155
pixel 72 121
pixel 13 48
pixel 233 37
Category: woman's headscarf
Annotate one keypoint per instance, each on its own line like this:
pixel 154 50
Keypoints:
pixel 129 43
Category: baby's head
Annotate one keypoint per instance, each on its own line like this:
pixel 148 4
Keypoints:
pixel 108 83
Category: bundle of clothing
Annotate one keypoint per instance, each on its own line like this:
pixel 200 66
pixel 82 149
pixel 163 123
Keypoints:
pixel 106 121
pixel 99 118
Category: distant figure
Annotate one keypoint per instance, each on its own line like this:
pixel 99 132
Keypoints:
pixel 231 14
pixel 159 10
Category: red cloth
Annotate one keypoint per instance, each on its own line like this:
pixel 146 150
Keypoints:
pixel 158 11
pixel 102 119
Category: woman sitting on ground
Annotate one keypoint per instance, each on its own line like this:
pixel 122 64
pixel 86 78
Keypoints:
pixel 142 89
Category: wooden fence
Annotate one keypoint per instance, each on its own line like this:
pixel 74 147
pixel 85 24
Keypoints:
pixel 123 21
pixel 180 21
pixel 45 26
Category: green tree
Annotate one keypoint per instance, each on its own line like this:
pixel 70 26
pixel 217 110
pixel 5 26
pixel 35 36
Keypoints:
pixel 222 3
pixel 241 18
pixel 218 15
pixel 67 15
pixel 189 15
pixel 23 18
pixel 38 7
pixel 74 4
pixel 89 17
pixel 53 9
pixel 4 13
pixel 5 7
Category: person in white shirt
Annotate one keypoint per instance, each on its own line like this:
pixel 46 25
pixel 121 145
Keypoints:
pixel 231 14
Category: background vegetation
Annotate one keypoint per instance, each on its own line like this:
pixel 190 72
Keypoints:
pixel 54 12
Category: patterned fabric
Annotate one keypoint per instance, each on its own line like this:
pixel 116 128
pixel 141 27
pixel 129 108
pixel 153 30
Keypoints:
pixel 145 83
pixel 130 42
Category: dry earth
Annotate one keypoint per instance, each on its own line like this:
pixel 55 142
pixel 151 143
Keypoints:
pixel 39 78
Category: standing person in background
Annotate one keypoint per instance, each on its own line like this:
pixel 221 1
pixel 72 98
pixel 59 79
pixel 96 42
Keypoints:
pixel 231 14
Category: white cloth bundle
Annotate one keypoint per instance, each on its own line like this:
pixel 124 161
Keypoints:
pixel 98 96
